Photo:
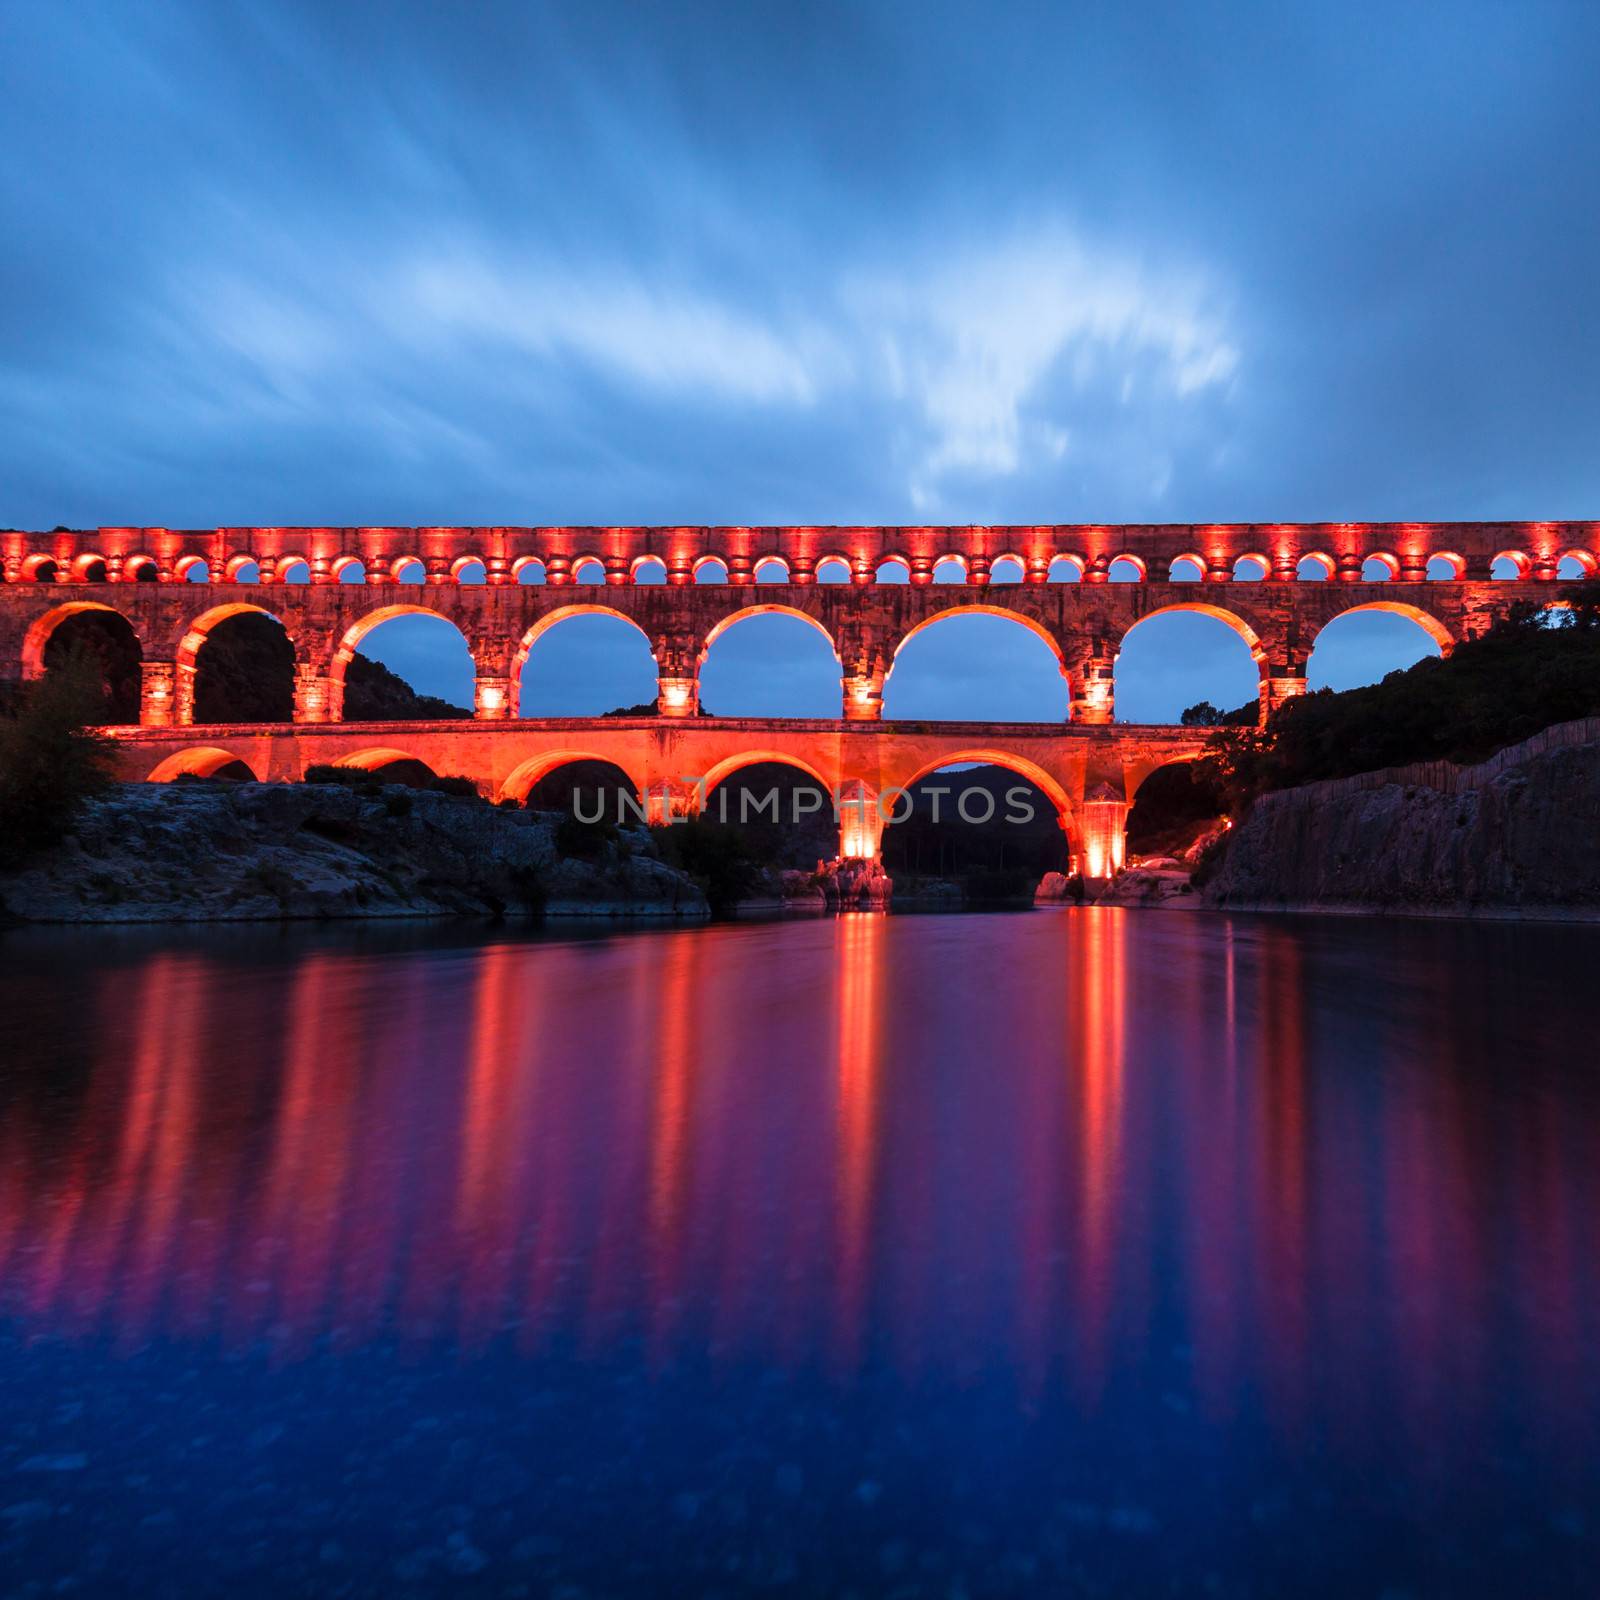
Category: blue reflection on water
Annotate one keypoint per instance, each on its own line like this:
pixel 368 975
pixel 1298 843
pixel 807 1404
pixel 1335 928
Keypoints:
pixel 973 1255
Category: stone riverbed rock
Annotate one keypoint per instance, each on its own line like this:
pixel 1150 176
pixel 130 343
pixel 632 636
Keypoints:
pixel 201 852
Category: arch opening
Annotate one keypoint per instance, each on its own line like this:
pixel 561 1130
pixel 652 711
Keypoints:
pixel 649 570
pixel 585 661
pixel 243 664
pixel 711 569
pixel 892 569
pixel 1183 657
pixel 587 788
pixel 1250 569
pixel 833 569
pixel 1314 568
pixel 206 761
pixel 389 766
pixel 781 808
pixel 1366 643
pixel 771 569
pixel 980 663
pixel 1066 569
pixel 1175 808
pixel 950 569
pixel 350 569
pixel 990 829
pixel 1126 569
pixel 590 570
pixel 769 661
pixel 529 570
pixel 404 663
pixel 547 782
pixel 1007 569
pixel 296 570
pixel 99 642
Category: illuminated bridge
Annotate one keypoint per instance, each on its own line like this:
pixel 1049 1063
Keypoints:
pixel 868 590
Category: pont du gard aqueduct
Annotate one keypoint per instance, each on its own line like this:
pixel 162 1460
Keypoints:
pixel 1079 588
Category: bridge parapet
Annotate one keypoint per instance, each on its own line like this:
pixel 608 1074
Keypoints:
pixel 500 556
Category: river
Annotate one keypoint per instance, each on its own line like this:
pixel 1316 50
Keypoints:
pixel 1046 1253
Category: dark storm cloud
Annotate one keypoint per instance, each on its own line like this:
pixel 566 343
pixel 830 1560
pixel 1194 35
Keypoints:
pixel 293 263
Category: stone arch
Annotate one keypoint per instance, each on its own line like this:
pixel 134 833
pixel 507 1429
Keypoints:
pixel 1061 565
pixel 187 654
pixel 1519 561
pixel 1126 568
pixel 1205 608
pixel 378 757
pixel 710 569
pixel 654 566
pixel 1318 667
pixel 1136 771
pixel 370 621
pixel 530 570
pixel 242 568
pixel 951 568
pixel 1016 569
pixel 90 567
pixel 589 572
pixel 107 640
pixel 1387 565
pixel 1032 624
pixel 1322 567
pixel 1058 688
pixel 1122 684
pixel 834 568
pixel 1192 559
pixel 1254 558
pixel 40 629
pixel 554 618
pixel 1430 624
pixel 897 566
pixel 40 569
pixel 761 572
pixel 520 782
pixel 1021 765
pixel 1584 560
pixel 1454 567
pixel 722 770
pixel 200 761
pixel 791 660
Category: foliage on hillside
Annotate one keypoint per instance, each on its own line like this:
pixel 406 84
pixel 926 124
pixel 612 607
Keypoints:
pixel 1530 671
pixel 49 762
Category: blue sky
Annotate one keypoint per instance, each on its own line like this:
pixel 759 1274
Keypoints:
pixel 817 263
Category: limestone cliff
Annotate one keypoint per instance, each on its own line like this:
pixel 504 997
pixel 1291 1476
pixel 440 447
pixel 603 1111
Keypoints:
pixel 205 852
pixel 1516 836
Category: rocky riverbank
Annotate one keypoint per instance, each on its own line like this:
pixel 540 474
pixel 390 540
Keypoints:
pixel 221 852
pixel 1518 836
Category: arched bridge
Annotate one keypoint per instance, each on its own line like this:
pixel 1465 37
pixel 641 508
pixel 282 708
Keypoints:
pixel 1080 588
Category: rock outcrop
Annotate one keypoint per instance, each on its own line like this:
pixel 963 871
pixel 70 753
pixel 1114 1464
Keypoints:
pixel 201 852
pixel 851 885
pixel 1517 836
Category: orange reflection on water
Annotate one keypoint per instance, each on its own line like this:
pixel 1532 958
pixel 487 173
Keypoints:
pixel 1060 1145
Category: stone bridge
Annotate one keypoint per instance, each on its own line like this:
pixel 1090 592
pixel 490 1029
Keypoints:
pixel 1080 588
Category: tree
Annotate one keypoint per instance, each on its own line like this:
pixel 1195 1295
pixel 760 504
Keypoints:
pixel 49 760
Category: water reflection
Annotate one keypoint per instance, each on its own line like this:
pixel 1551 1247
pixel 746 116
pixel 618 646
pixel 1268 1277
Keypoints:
pixel 1302 1201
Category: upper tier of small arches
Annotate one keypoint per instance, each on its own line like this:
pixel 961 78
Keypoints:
pixel 1182 553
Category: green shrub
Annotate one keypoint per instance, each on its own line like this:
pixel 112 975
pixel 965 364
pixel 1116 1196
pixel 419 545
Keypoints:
pixel 586 841
pixel 717 855
pixel 49 760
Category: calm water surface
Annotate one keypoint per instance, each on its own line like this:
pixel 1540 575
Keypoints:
pixel 1080 1252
